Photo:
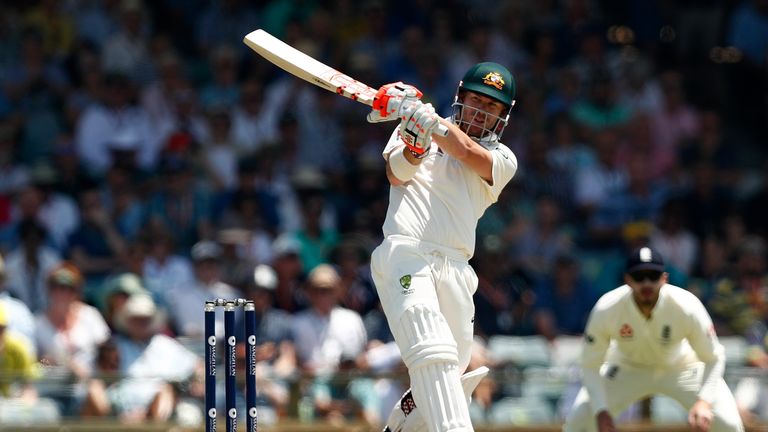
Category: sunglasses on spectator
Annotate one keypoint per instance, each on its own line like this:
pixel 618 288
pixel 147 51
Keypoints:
pixel 650 275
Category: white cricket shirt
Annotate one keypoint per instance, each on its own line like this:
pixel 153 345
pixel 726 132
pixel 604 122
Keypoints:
pixel 443 201
pixel 678 333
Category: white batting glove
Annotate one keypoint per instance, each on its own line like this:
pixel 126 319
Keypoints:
pixel 418 122
pixel 391 99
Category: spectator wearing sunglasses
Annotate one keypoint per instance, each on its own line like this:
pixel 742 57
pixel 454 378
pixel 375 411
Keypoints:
pixel 661 341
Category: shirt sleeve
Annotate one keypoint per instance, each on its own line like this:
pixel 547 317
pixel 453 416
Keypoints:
pixel 704 342
pixel 504 168
pixel 597 338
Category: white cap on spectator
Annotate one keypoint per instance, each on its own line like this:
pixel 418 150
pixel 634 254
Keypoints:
pixel 285 245
pixel 206 250
pixel 264 277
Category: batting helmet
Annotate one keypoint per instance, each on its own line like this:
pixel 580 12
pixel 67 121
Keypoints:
pixel 492 80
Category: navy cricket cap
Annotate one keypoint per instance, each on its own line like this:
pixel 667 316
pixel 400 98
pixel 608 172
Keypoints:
pixel 644 258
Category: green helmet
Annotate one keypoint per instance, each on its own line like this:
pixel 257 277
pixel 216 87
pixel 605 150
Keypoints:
pixel 492 80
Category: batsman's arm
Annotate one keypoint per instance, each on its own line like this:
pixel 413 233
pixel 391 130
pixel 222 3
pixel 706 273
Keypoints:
pixel 459 145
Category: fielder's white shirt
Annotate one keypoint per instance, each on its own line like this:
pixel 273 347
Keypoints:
pixel 678 333
pixel 443 201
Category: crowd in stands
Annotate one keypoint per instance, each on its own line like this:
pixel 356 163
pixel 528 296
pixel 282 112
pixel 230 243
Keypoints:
pixel 149 161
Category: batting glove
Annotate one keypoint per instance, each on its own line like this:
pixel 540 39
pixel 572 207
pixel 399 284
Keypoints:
pixel 391 99
pixel 418 122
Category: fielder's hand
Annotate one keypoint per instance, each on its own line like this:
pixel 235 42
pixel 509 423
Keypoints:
pixel 700 416
pixel 391 99
pixel 418 122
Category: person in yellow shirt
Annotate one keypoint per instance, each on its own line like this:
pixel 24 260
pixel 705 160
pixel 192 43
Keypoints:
pixel 17 364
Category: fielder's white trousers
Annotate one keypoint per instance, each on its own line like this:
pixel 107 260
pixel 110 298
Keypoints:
pixel 630 384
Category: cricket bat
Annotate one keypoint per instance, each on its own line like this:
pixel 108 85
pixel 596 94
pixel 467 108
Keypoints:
pixel 309 69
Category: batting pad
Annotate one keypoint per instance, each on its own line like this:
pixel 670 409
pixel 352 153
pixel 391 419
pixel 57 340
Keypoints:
pixel 429 352
pixel 405 416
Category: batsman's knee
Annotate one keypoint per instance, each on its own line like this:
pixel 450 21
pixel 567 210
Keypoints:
pixel 425 338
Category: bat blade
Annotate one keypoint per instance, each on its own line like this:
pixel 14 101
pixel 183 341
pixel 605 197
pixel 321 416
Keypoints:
pixel 307 68
pixel 311 70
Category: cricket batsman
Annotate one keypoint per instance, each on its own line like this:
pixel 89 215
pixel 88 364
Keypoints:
pixel 648 337
pixel 440 187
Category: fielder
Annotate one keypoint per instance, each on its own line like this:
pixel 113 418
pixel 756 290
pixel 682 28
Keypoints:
pixel 421 270
pixel 659 339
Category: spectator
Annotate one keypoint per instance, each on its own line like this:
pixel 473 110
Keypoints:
pixel 219 153
pixel 600 109
pixel 13 175
pixel 740 302
pixel 504 298
pixel 19 318
pixel 275 350
pixel 289 294
pixel 185 298
pixel 254 119
pixel 676 122
pixel 67 335
pixel 563 300
pixel 545 239
pixel 596 183
pixel 17 364
pixel 58 212
pixel 161 268
pixel 328 338
pixel 180 205
pixel 150 364
pixel 672 239
pixel 351 260
pixel 96 247
pixel 223 91
pixel 116 292
pixel 127 50
pixel 29 264
pixel 115 122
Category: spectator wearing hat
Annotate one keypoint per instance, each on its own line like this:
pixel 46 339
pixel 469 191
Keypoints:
pixel 275 351
pixel 68 333
pixel 28 265
pixel 328 338
pixel 289 294
pixel 20 318
pixel 117 290
pixel 149 362
pixel 185 300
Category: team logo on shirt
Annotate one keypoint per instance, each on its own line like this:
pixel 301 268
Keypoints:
pixel 626 331
pixel 405 282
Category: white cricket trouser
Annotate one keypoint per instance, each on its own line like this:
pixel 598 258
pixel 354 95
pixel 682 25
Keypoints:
pixel 630 384
pixel 440 278
pixel 426 293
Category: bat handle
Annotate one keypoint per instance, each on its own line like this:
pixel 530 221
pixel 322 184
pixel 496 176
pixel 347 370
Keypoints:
pixel 442 130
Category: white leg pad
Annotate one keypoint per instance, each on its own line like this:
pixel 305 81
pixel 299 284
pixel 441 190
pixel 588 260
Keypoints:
pixel 429 352
pixel 405 415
